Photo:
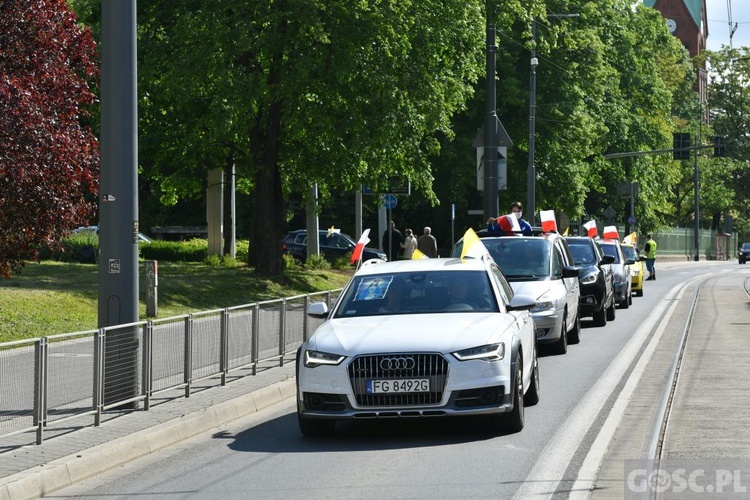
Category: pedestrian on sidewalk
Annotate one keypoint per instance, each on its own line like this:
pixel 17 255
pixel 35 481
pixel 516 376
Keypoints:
pixel 392 240
pixel 650 250
pixel 427 244
pixel 409 244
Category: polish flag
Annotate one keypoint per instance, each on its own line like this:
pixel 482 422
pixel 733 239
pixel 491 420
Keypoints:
pixel 610 233
pixel 590 228
pixel 363 240
pixel 509 224
pixel 548 220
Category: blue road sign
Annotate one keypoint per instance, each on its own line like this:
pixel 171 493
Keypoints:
pixel 631 220
pixel 390 201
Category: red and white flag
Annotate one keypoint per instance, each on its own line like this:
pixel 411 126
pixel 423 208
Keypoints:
pixel 610 233
pixel 549 223
pixel 363 240
pixel 590 228
pixel 508 224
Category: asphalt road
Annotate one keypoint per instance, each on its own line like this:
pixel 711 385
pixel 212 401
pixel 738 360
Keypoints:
pixel 264 455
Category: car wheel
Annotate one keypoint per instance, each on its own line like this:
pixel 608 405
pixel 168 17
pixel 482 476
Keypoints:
pixel 513 421
pixel 561 345
pixel 639 293
pixel 612 311
pixel 313 427
pixel 575 334
pixel 630 298
pixel 601 316
pixel 532 395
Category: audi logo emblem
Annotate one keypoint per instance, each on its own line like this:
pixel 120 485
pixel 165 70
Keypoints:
pixel 397 364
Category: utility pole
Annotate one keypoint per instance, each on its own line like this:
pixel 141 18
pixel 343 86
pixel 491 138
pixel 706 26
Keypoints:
pixel 118 200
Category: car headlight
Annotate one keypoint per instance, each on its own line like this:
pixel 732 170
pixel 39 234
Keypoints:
pixel 318 358
pixel 591 278
pixel 635 272
pixel 489 352
pixel 543 305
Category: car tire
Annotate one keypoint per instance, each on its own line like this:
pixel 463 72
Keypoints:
pixel 612 311
pixel 561 345
pixel 625 303
pixel 313 427
pixel 532 395
pixel 600 316
pixel 513 421
pixel 639 293
pixel 574 336
pixel 630 299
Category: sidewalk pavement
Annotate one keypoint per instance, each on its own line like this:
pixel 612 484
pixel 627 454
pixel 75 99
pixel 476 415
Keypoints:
pixel 35 470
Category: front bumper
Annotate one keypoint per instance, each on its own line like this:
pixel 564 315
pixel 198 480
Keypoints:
pixel 457 388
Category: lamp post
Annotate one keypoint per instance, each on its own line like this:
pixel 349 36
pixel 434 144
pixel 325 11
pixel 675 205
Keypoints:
pixel 491 181
pixel 531 171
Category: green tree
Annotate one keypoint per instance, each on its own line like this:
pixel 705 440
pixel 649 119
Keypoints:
pixel 48 154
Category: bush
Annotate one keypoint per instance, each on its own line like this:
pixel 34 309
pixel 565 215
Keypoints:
pixel 290 262
pixel 195 250
pixel 343 262
pixel 317 262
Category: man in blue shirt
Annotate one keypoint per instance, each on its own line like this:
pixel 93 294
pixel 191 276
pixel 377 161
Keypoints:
pixel 516 209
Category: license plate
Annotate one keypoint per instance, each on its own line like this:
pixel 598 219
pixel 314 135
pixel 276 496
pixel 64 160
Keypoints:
pixel 397 386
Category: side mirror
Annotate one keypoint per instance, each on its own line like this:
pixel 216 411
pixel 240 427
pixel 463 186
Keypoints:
pixel 607 259
pixel 570 272
pixel 317 310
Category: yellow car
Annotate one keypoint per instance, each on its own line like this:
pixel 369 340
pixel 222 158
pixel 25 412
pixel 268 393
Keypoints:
pixel 636 270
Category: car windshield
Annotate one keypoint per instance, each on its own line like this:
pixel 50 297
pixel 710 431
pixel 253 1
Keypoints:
pixel 746 247
pixel 583 252
pixel 629 252
pixel 611 250
pixel 417 293
pixel 520 258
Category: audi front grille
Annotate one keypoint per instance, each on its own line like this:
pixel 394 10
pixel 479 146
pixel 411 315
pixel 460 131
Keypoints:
pixel 400 366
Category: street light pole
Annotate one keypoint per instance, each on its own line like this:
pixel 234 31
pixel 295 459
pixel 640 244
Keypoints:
pixel 531 172
pixel 491 181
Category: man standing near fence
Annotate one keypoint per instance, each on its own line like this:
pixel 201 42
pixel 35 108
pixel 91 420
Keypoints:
pixel 650 250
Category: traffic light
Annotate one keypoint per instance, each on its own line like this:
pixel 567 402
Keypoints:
pixel 680 146
pixel 720 147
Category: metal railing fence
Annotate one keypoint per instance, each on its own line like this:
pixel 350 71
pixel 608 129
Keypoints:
pixel 47 381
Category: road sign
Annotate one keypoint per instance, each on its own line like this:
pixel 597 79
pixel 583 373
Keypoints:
pixel 631 220
pixel 389 201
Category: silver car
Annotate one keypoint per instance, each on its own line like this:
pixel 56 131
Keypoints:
pixel 621 270
pixel 541 267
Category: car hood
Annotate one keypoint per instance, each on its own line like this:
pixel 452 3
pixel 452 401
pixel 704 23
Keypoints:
pixel 533 289
pixel 446 332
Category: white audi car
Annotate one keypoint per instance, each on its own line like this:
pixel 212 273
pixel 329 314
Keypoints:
pixel 420 338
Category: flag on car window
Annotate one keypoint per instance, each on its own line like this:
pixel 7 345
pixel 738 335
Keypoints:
pixel 549 223
pixel 331 231
pixel 418 255
pixel 508 224
pixel 631 239
pixel 363 240
pixel 590 228
pixel 473 246
pixel 610 233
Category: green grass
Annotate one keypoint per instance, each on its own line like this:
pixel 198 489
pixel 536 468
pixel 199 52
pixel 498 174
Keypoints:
pixel 51 297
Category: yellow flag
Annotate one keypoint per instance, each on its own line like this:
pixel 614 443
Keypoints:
pixel 473 247
pixel 418 255
pixel 566 231
pixel 630 239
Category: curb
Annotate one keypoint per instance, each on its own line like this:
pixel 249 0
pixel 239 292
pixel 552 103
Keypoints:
pixel 66 471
